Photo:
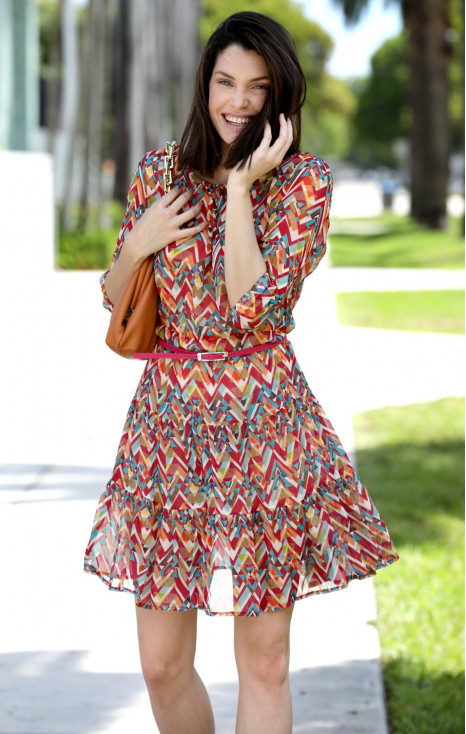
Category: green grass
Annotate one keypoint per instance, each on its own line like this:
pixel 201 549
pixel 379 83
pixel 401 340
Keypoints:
pixel 396 242
pixel 412 462
pixel 409 310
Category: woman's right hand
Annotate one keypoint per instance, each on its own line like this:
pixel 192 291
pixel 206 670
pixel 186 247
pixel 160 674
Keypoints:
pixel 162 223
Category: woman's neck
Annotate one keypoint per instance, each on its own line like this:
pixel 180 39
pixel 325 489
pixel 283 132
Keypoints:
pixel 221 176
pixel 221 173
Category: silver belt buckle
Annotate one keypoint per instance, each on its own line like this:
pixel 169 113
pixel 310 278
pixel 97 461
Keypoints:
pixel 211 356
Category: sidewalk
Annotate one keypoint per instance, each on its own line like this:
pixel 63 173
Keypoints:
pixel 70 663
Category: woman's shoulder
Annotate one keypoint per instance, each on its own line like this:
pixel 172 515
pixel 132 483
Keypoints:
pixel 302 166
pixel 150 171
pixel 152 159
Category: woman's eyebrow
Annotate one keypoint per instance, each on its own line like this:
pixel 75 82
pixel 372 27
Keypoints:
pixel 256 79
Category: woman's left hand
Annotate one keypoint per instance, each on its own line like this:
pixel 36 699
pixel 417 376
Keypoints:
pixel 265 157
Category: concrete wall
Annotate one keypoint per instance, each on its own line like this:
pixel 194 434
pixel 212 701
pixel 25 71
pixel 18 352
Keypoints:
pixel 27 243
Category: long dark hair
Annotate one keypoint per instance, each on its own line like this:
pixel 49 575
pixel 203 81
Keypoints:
pixel 200 145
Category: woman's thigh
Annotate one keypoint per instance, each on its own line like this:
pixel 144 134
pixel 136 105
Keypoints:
pixel 167 641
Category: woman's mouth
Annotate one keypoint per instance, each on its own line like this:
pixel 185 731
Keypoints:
pixel 236 121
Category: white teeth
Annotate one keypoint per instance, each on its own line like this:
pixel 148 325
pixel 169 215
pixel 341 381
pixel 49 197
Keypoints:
pixel 237 120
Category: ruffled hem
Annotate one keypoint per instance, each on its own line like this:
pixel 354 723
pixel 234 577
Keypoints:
pixel 187 605
pixel 233 564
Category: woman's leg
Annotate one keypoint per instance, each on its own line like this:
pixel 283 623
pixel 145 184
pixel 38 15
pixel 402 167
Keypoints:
pixel 167 645
pixel 262 650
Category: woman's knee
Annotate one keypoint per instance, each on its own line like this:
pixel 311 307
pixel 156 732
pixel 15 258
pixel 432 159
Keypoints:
pixel 263 650
pixel 269 667
pixel 167 646
pixel 166 669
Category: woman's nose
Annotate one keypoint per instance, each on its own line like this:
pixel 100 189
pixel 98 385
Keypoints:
pixel 240 98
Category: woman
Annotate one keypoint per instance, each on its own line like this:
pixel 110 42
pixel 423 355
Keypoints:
pixel 231 492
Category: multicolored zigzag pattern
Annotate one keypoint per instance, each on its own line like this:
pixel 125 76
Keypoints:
pixel 231 491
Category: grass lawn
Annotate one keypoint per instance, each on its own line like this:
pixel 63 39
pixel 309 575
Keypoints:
pixel 395 242
pixel 412 462
pixel 411 310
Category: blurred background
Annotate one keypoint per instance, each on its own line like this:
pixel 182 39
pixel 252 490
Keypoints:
pixel 88 87
pixel 97 83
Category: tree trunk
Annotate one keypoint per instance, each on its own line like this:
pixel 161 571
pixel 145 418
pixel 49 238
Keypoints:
pixel 137 83
pixel 157 38
pixel 95 84
pixel 69 104
pixel 428 53
pixel 120 94
pixel 156 48
pixel 185 60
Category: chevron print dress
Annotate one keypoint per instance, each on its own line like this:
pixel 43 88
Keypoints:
pixel 231 492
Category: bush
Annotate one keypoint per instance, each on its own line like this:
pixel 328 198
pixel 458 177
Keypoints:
pixel 90 249
pixel 87 250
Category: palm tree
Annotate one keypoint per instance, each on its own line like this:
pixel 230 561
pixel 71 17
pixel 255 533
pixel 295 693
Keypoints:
pixel 69 106
pixel 429 51
pixel 155 56
pixel 93 103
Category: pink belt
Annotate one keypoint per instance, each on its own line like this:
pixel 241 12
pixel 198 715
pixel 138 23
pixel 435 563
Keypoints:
pixel 179 352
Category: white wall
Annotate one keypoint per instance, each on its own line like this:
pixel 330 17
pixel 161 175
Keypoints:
pixel 27 243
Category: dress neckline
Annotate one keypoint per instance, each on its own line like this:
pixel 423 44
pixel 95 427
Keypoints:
pixel 197 181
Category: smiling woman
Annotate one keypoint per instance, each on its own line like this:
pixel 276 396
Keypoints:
pixel 231 491
pixel 254 73
pixel 234 101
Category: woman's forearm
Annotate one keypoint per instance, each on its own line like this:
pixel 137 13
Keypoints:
pixel 244 263
pixel 124 267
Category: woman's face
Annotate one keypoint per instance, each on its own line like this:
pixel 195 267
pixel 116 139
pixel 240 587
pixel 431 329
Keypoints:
pixel 237 91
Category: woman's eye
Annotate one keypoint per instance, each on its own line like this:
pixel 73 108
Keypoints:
pixel 261 86
pixel 224 81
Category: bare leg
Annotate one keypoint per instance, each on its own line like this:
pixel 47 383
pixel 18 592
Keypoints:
pixel 167 645
pixel 262 649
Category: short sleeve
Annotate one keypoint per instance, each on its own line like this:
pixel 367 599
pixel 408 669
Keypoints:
pixel 136 203
pixel 294 243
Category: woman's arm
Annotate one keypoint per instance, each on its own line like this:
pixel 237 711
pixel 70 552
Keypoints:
pixel 244 263
pixel 292 245
pixel 123 269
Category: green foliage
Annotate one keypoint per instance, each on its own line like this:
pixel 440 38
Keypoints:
pixel 89 250
pixel 314 45
pixel 353 10
pixel 409 310
pixel 398 242
pixel 330 101
pixel 49 37
pixel 412 461
pixel 382 110
pixel 326 117
pixel 456 74
pixel 92 249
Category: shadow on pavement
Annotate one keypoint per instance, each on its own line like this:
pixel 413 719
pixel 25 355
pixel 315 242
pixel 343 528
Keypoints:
pixel 49 483
pixel 52 692
pixel 47 692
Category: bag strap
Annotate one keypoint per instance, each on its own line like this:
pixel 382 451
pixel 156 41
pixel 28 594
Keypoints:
pixel 168 165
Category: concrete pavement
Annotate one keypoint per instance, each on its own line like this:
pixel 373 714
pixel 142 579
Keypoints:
pixel 69 662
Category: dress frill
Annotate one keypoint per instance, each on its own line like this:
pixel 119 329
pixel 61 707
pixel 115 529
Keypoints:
pixel 249 534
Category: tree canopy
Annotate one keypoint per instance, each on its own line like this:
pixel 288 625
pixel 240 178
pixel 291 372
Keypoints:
pixel 382 110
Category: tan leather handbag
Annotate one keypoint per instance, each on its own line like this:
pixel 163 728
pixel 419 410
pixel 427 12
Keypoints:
pixel 134 316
